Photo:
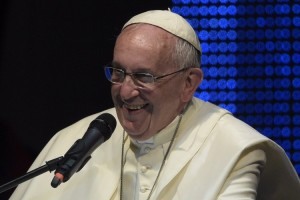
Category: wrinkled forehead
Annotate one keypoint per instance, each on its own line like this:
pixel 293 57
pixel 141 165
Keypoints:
pixel 170 22
pixel 145 46
pixel 142 31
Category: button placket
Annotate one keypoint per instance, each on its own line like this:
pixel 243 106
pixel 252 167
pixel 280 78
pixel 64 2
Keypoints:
pixel 145 168
pixel 147 149
pixel 144 189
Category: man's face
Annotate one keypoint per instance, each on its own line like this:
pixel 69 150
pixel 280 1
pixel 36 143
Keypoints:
pixel 144 111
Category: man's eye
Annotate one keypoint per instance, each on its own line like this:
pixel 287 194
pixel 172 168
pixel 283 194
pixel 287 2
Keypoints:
pixel 118 72
pixel 117 75
pixel 145 78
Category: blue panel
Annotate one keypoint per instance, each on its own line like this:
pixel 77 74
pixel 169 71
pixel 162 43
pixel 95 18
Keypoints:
pixel 251 63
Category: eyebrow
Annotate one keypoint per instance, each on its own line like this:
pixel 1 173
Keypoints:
pixel 137 70
pixel 117 65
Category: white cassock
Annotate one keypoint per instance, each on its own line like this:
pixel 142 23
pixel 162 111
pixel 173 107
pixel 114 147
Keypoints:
pixel 214 156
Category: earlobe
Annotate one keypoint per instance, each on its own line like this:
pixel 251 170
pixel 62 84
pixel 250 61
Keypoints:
pixel 192 82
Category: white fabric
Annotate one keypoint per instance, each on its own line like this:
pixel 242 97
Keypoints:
pixel 214 157
pixel 169 21
pixel 143 162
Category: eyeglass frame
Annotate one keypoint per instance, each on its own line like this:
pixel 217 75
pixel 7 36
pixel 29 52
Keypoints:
pixel 132 75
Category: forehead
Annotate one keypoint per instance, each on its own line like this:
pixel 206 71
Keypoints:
pixel 144 46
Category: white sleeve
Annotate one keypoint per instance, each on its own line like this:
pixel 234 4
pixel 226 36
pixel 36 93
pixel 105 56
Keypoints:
pixel 243 180
pixel 39 161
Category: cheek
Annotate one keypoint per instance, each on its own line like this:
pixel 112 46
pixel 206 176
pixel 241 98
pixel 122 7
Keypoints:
pixel 115 91
pixel 165 101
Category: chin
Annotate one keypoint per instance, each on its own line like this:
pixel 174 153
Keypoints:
pixel 138 135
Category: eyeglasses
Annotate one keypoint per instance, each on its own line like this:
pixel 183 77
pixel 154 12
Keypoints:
pixel 117 76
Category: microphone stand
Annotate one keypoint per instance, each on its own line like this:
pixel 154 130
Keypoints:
pixel 49 166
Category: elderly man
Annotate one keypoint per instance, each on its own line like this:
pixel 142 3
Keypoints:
pixel 167 144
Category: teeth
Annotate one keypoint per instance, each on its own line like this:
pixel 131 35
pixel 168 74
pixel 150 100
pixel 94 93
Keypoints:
pixel 134 107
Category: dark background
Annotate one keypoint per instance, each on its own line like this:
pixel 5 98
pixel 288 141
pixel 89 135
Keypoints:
pixel 51 75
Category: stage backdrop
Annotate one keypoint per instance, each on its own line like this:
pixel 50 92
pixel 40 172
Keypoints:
pixel 251 63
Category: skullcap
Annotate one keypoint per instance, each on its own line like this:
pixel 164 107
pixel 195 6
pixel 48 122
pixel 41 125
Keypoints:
pixel 169 21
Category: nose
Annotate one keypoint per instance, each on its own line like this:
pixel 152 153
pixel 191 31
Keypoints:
pixel 128 89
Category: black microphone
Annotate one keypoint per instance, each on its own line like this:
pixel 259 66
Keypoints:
pixel 99 130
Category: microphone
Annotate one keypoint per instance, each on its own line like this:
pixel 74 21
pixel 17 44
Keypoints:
pixel 99 130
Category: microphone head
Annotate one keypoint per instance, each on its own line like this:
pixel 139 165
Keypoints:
pixel 105 122
pixel 99 130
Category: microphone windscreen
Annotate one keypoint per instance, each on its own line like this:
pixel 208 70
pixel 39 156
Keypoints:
pixel 105 122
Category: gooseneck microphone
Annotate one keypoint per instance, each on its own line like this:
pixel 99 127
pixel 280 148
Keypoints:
pixel 79 154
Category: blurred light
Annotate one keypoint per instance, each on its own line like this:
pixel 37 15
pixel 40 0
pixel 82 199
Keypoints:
pixel 241 10
pixel 251 63
pixel 222 10
pixel 222 71
pixel 286 144
pixel 232 35
pixel 296 95
pixel 296 107
pixel 296 8
pixel 296 82
pixel 213 10
pixel 213 59
pixel 204 60
pixel 203 35
pixel 232 10
pixel 296 46
pixel 269 34
pixel 222 59
pixel 296 119
pixel 222 35
pixel 260 21
pixel 231 96
pixel 232 22
pixel 194 11
pixel 213 47
pixel 296 70
pixel 296 21
pixel 260 34
pixel 214 23
pixel 222 84
pixel 223 47
pixel 268 120
pixel 194 23
pixel 296 132
pixel 296 33
pixel 250 10
pixel 296 58
pixel 203 10
pixel 213 84
pixel 296 157
pixel 213 35
pixel 269 9
pixel 232 71
pixel 268 132
pixel 260 10
pixel 282 9
pixel 296 144
pixel 231 84
pixel 185 1
pixel 242 23
pixel 231 59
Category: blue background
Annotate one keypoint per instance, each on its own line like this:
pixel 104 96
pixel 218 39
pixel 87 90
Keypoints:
pixel 251 63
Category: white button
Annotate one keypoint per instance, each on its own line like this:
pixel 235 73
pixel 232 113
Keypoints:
pixel 143 189
pixel 144 169
pixel 147 149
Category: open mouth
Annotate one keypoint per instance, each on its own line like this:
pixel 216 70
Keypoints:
pixel 134 107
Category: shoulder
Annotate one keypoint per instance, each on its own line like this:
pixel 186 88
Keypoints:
pixel 78 128
pixel 66 137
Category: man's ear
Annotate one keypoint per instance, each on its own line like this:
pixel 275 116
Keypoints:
pixel 192 81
